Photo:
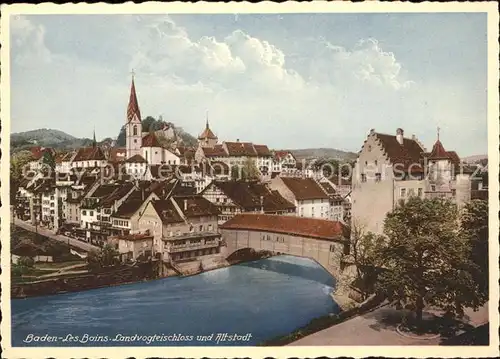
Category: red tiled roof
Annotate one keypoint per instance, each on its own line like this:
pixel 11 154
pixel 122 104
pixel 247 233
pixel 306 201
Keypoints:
pixel 248 196
pixel 304 188
pixel 133 105
pixel 117 154
pixel 207 133
pixel 167 211
pixel 240 149
pixel 150 140
pixel 262 150
pixel 136 159
pixel 397 153
pixel 196 206
pixel 216 151
pixel 297 226
pixel 89 154
pixel 282 154
pixel 37 152
pixel 438 151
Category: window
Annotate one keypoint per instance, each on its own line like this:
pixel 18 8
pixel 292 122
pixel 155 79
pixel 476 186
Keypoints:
pixel 210 227
pixel 376 162
pixel 363 177
pixel 347 248
pixel 135 131
pixel 369 148
pixel 378 177
pixel 433 187
pixel 201 228
pixel 135 141
pixel 98 217
pixel 411 192
pixel 332 248
pixel 91 213
pixel 403 192
pixel 95 163
pixel 146 154
pixel 420 192
pixel 453 192
pixel 84 212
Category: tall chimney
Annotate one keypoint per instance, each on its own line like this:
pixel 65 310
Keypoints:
pixel 399 135
pixel 413 137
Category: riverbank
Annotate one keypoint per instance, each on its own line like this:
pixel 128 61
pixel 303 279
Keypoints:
pixel 326 321
pixel 141 272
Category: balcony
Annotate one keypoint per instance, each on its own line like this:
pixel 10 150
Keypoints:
pixel 191 235
pixel 191 246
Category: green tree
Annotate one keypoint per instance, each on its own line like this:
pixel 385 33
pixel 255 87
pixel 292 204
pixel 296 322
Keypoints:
pixel 474 223
pixel 26 262
pixel 17 163
pixel 122 138
pixel 48 159
pixel 426 259
pixel 365 254
pixel 107 256
pixel 250 170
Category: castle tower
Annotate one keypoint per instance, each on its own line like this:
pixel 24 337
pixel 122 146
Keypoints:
pixel 207 137
pixel 133 127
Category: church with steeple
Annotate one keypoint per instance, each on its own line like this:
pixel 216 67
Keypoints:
pixel 133 126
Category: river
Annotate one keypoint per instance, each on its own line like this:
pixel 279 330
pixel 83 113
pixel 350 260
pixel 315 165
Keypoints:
pixel 251 302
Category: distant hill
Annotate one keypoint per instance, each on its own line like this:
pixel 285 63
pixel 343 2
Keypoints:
pixel 46 137
pixel 323 153
pixel 475 158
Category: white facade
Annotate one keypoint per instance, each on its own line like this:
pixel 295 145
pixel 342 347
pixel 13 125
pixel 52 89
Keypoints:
pixel 136 169
pixel 87 217
pixel 313 208
pixel 88 164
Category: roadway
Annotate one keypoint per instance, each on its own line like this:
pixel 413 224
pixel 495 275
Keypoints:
pixel 47 233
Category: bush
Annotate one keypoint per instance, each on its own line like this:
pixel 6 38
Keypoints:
pixel 26 262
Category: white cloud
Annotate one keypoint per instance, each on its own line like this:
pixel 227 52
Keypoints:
pixel 28 43
pixel 250 87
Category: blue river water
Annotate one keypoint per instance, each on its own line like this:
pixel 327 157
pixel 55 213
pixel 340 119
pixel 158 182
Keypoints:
pixel 250 302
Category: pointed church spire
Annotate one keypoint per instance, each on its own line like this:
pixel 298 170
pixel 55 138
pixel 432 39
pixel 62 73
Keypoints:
pixel 438 129
pixel 133 106
pixel 207 127
pixel 94 142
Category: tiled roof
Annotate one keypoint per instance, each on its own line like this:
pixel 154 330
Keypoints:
pixel 89 154
pixel 304 188
pixel 262 150
pixel 196 206
pixel 136 159
pixel 207 133
pixel 167 211
pixel 117 154
pixel 281 154
pixel 150 140
pixel 135 237
pixel 37 152
pixel 397 153
pixel 128 208
pixel 237 149
pixel 216 151
pixel 248 195
pixel 298 226
pixel 133 105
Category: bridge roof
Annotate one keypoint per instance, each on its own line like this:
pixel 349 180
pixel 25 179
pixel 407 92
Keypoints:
pixel 321 229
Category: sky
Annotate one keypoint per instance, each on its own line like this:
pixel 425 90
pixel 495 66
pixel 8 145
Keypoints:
pixel 284 80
